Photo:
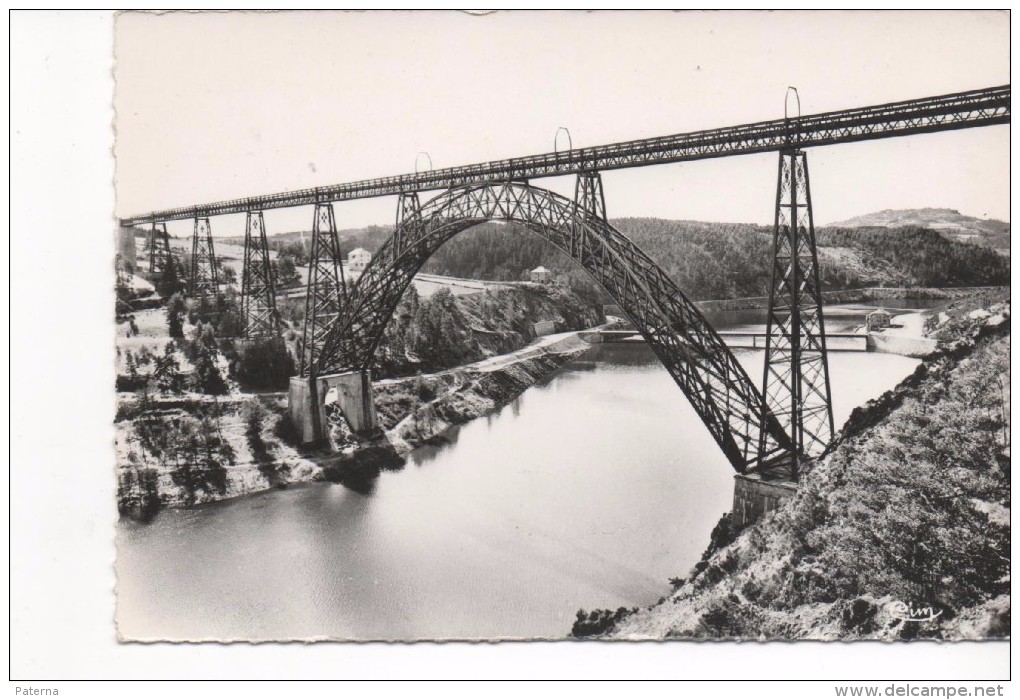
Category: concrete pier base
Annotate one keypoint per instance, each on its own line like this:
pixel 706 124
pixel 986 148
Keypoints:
pixel 307 407
pixel 754 496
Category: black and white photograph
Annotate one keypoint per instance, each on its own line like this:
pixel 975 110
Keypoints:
pixel 594 327
pixel 548 395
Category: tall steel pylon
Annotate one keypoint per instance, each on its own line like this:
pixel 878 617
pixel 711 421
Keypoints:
pixel 326 287
pixel 590 200
pixel 258 290
pixel 589 195
pixel 202 280
pixel 159 248
pixel 408 216
pixel 796 384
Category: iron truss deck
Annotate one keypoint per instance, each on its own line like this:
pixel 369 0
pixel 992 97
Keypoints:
pixel 961 110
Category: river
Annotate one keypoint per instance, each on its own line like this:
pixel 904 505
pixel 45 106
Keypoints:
pixel 590 490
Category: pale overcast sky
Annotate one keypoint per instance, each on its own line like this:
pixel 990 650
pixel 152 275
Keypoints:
pixel 221 105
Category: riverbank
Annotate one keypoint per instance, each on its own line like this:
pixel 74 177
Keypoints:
pixel 904 336
pixel 918 333
pixel 900 531
pixel 186 450
pixel 419 410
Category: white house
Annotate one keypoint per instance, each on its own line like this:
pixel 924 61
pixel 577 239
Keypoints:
pixel 541 275
pixel 358 259
pixel 879 319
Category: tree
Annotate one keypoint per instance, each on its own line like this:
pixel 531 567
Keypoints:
pixel 284 272
pixel 264 363
pixel 172 280
pixel 167 372
pixel 204 355
pixel 229 323
pixel 176 308
pixel 253 415
pixel 227 274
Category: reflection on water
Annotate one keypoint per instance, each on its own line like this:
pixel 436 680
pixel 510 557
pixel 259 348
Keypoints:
pixel 590 490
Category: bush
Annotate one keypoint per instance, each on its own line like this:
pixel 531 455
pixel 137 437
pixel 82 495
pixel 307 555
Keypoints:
pixel 598 622
pixel 423 390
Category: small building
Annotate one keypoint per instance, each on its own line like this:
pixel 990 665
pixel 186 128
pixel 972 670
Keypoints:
pixel 879 319
pixel 541 275
pixel 358 259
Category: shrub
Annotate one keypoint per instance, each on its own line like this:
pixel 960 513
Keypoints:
pixel 424 391
pixel 598 622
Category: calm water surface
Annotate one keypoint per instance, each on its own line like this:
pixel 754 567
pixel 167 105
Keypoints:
pixel 590 490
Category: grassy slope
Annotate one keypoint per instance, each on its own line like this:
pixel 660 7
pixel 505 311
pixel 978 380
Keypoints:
pixel 911 505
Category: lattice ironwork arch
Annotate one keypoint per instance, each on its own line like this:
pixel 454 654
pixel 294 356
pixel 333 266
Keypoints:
pixel 693 353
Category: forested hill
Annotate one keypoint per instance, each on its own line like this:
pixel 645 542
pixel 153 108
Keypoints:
pixel 955 226
pixel 717 260
pixel 720 261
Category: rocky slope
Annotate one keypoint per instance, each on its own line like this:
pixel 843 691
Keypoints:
pixel 900 531
pixel 428 334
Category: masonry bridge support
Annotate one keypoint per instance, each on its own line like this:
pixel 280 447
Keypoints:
pixel 307 403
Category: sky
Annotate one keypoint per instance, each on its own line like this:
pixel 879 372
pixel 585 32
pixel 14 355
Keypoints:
pixel 213 106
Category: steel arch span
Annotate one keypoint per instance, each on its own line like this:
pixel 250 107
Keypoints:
pixel 694 355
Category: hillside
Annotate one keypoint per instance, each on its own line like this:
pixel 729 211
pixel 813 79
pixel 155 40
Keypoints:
pixel 949 222
pixel 911 507
pixel 725 261
pixel 708 260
